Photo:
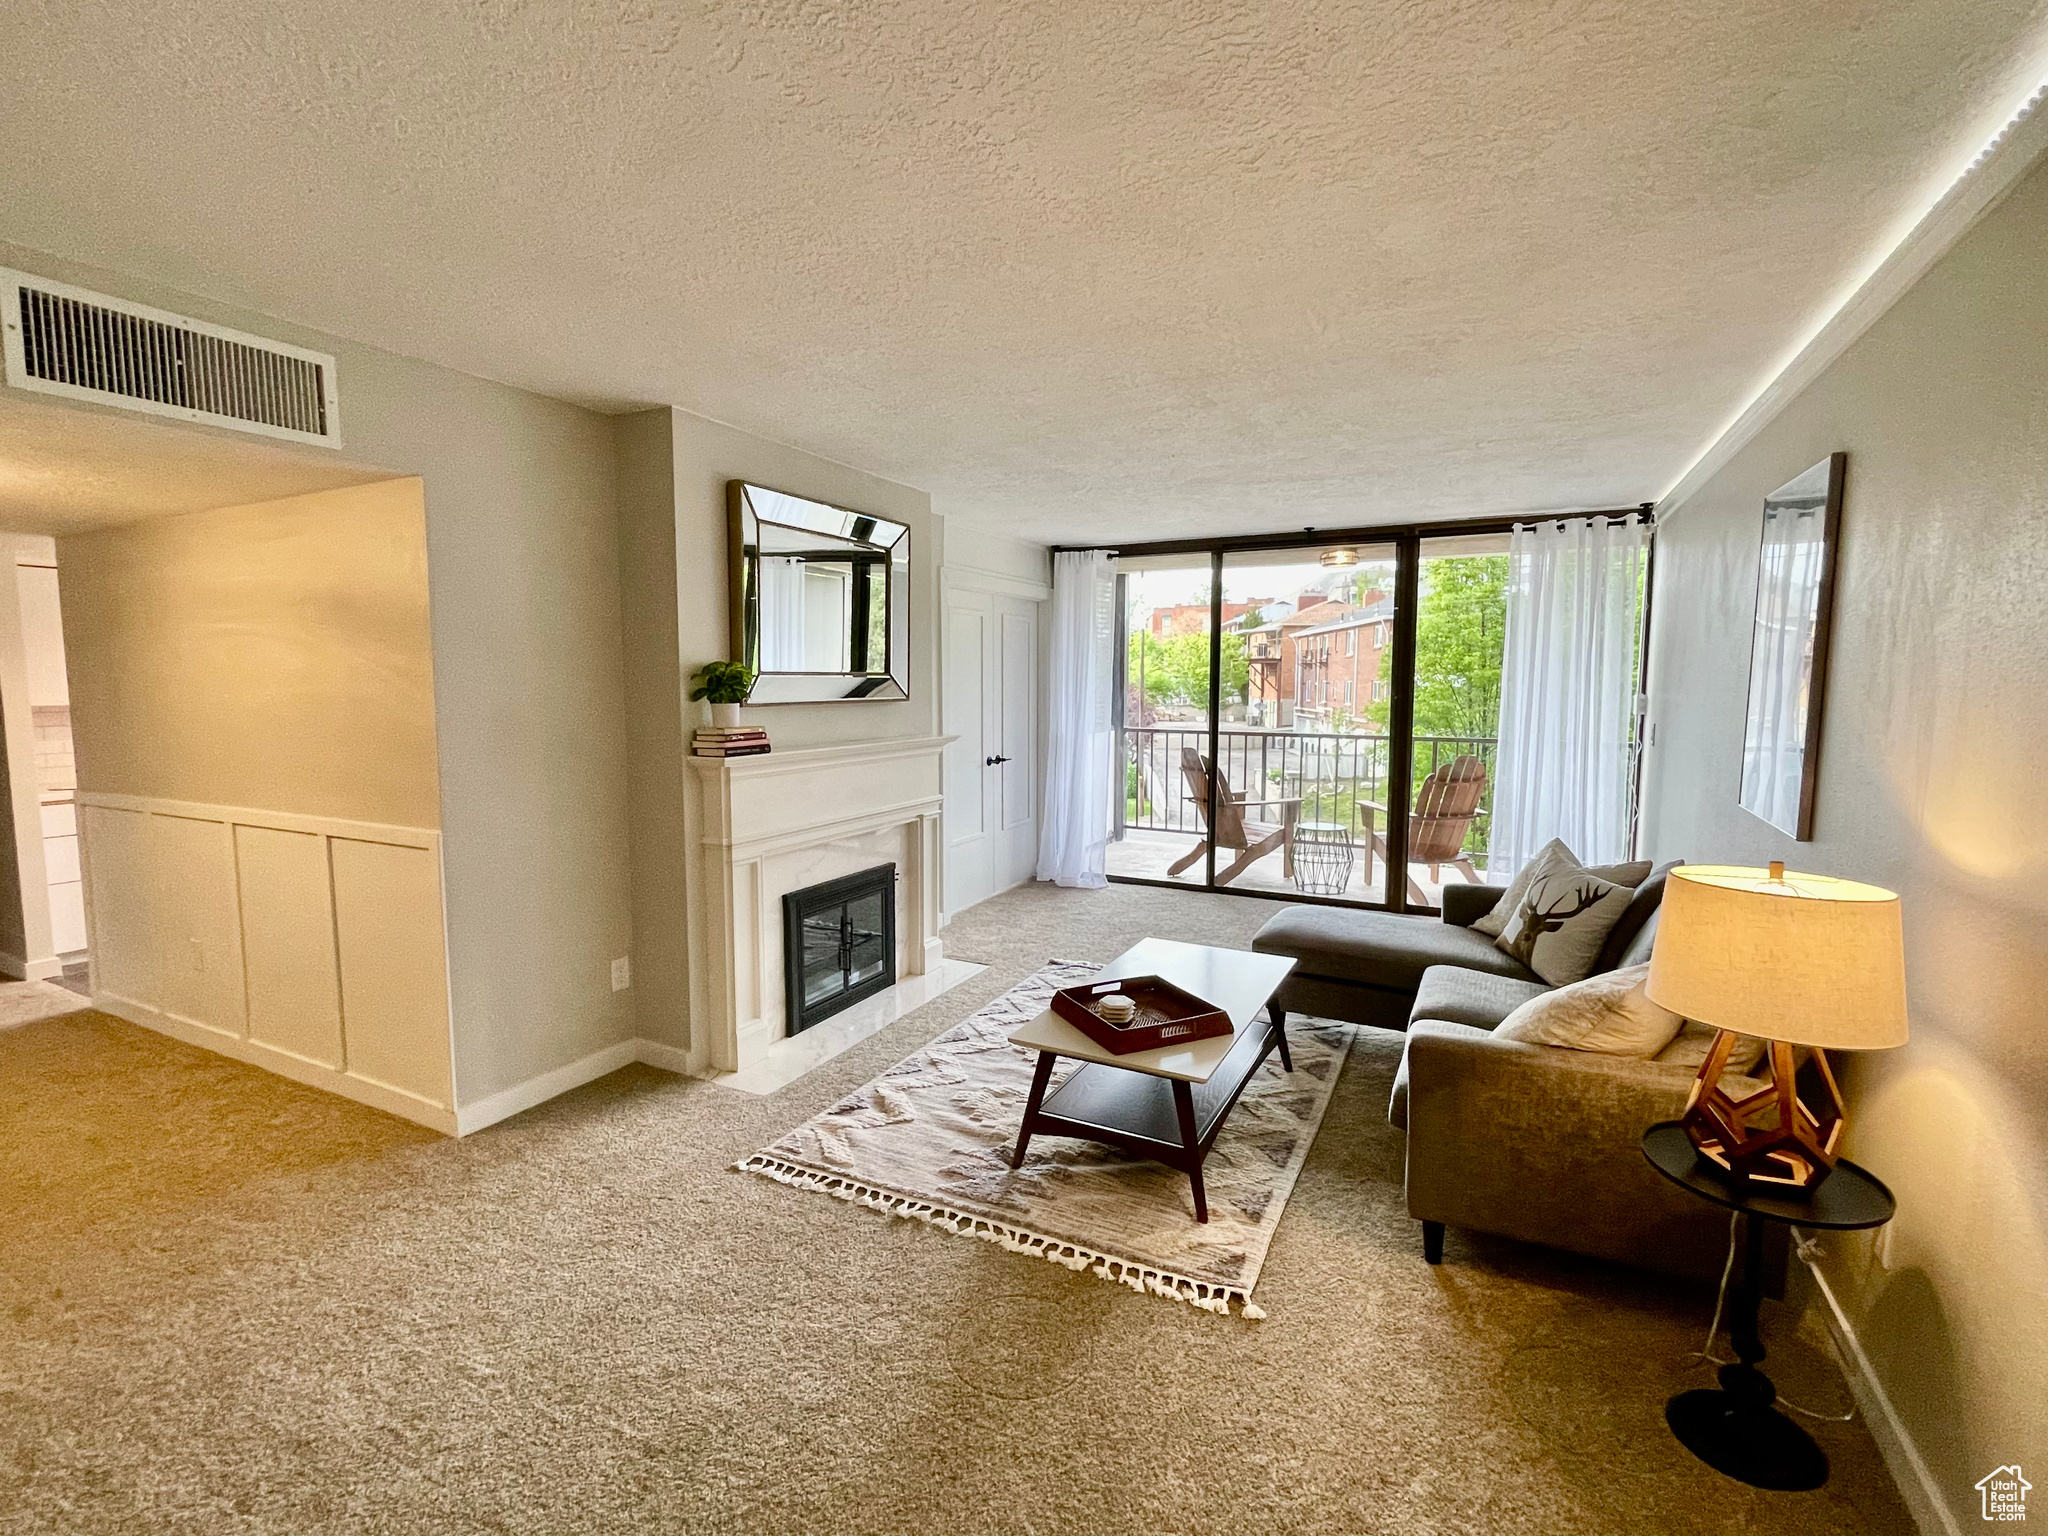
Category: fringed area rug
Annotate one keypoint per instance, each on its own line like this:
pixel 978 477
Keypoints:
pixel 930 1139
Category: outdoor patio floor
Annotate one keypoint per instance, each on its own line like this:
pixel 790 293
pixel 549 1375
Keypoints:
pixel 1147 855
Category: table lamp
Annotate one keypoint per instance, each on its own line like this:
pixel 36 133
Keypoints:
pixel 1797 960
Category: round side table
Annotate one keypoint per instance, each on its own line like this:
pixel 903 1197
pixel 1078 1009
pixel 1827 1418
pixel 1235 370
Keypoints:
pixel 1734 1429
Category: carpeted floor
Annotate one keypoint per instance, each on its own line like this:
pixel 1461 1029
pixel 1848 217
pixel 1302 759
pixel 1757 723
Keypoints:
pixel 231 1304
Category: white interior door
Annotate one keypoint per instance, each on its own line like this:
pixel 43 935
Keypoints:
pixel 991 706
pixel 1017 737
pixel 970 871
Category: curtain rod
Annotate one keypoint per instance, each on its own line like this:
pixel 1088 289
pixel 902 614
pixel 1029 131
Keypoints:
pixel 1309 538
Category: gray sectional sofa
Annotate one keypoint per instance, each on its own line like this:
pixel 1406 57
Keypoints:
pixel 1527 1141
pixel 1370 967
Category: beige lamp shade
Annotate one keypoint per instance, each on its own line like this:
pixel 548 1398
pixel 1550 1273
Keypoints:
pixel 1806 959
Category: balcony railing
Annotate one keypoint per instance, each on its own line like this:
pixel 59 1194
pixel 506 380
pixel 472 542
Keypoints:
pixel 1328 771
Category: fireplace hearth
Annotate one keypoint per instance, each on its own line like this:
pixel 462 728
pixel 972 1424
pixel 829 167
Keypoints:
pixel 839 944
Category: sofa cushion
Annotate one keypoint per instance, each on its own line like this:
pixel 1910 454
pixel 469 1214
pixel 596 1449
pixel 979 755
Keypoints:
pixel 1379 949
pixel 1607 1014
pixel 1454 995
pixel 1620 948
pixel 1464 905
pixel 1689 1047
pixel 1630 872
pixel 1637 950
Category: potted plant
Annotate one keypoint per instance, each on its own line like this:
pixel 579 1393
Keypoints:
pixel 726 685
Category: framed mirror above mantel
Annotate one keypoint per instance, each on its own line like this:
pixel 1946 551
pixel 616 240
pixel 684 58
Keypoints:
pixel 820 599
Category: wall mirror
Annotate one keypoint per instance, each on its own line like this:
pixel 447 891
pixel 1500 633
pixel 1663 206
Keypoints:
pixel 821 598
pixel 1788 655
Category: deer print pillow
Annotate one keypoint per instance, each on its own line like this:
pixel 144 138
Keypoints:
pixel 1552 857
pixel 1558 926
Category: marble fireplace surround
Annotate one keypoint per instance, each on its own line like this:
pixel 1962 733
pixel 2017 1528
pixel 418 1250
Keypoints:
pixel 764 826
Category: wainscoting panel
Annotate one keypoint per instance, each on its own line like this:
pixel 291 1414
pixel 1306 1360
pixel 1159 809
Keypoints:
pixel 309 946
pixel 288 936
pixel 198 970
pixel 122 902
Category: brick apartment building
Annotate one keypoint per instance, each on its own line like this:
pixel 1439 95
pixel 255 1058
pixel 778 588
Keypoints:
pixel 1193 618
pixel 1319 662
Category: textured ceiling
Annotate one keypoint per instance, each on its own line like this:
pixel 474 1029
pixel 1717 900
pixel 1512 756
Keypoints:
pixel 1080 271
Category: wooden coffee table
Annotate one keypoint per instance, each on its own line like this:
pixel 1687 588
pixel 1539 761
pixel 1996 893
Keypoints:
pixel 1166 1104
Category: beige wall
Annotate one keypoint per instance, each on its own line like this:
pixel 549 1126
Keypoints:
pixel 1933 781
pixel 657 735
pixel 672 474
pixel 707 455
pixel 975 548
pixel 274 656
pixel 523 578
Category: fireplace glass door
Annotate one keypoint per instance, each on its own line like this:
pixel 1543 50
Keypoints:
pixel 840 939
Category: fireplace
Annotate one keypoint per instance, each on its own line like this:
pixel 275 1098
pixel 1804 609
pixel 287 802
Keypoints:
pixel 839 944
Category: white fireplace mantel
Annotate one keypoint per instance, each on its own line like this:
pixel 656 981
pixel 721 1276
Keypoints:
pixel 761 827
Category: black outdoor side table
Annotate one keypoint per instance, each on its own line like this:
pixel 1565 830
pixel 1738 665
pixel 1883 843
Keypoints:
pixel 1734 1429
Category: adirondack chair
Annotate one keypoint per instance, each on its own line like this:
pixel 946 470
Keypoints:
pixel 1445 808
pixel 1249 840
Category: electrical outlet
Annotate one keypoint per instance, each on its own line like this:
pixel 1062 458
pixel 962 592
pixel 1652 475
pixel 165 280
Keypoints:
pixel 622 974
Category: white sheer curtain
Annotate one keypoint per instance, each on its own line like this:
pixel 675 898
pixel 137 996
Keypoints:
pixel 1780 665
pixel 1073 832
pixel 782 613
pixel 1563 767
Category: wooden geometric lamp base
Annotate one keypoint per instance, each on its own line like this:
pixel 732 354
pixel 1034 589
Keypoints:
pixel 1771 1139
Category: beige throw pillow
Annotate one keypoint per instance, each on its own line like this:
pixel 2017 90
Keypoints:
pixel 1693 1042
pixel 1552 856
pixel 1560 923
pixel 1607 1013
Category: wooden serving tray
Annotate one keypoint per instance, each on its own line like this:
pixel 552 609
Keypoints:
pixel 1166 1015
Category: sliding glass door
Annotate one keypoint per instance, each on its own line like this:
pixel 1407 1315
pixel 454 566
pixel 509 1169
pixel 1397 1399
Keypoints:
pixel 1166 608
pixel 1254 738
pixel 1455 681
pixel 1368 723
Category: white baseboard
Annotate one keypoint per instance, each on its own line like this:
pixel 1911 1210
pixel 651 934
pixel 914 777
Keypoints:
pixel 13 965
pixel 396 1101
pixel 1930 1511
pixel 669 1058
pixel 549 1085
pixel 538 1090
pixel 393 1101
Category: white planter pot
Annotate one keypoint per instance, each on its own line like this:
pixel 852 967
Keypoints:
pixel 725 714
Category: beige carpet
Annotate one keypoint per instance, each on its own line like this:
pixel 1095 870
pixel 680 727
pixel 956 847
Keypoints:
pixel 231 1304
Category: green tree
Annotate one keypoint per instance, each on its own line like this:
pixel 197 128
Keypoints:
pixel 1175 671
pixel 1460 631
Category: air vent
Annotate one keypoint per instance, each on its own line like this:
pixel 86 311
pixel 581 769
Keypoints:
pixel 65 341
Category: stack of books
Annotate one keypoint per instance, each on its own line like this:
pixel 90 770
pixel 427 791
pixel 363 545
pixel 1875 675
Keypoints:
pixel 729 741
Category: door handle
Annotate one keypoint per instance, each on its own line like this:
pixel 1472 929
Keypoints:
pixel 990 762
